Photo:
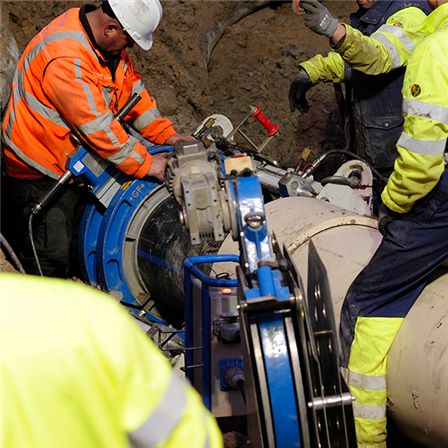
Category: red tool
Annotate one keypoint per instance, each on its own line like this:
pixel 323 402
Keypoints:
pixel 271 128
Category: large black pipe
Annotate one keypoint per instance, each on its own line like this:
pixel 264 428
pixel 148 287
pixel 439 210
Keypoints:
pixel 163 245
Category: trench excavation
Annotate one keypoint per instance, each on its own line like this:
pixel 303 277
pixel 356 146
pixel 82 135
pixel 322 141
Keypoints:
pixel 239 57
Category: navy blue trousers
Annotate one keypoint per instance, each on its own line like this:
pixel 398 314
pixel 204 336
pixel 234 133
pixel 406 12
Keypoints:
pixel 412 249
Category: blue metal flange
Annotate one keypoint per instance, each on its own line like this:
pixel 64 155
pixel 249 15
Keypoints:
pixel 112 235
pixel 91 222
pixel 101 176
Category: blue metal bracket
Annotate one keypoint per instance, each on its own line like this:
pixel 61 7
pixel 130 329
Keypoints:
pixel 191 271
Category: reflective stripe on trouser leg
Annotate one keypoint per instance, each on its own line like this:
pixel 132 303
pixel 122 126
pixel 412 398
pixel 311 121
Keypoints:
pixel 366 377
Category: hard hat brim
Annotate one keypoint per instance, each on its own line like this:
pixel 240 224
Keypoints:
pixel 144 42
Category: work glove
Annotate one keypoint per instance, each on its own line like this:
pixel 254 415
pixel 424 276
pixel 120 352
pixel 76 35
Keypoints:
pixel 385 217
pixel 318 18
pixel 297 92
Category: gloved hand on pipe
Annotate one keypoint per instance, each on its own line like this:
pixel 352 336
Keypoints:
pixel 385 217
pixel 297 92
pixel 318 18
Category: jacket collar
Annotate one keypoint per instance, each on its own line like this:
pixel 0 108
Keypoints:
pixel 435 20
pixel 111 60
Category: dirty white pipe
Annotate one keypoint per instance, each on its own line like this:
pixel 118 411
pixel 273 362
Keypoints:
pixel 417 372
pixel 418 363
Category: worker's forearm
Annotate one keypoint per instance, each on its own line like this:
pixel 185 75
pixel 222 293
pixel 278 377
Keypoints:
pixel 338 36
pixel 362 53
pixel 328 68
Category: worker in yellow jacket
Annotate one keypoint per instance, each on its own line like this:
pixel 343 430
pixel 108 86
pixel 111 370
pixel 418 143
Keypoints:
pixel 413 216
pixel 75 371
pixel 372 103
pixel 71 80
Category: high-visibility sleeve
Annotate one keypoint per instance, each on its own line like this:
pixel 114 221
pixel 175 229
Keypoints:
pixel 78 97
pixel 422 144
pixel 328 68
pixel 386 49
pixel 145 116
pixel 160 408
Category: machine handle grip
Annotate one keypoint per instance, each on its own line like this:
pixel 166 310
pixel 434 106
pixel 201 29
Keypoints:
pixel 270 127
pixel 128 106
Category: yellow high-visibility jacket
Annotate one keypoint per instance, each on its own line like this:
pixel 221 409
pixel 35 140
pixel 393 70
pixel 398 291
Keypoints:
pixel 388 48
pixel 76 372
pixel 422 144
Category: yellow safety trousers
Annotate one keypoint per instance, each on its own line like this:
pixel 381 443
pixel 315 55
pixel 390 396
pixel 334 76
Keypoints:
pixel 366 377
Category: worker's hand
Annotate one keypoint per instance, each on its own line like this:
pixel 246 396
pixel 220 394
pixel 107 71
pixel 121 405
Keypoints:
pixel 297 92
pixel 180 137
pixel 158 167
pixel 318 18
pixel 385 217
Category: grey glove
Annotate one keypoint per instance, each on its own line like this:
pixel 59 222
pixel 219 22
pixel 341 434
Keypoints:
pixel 297 92
pixel 318 18
pixel 385 217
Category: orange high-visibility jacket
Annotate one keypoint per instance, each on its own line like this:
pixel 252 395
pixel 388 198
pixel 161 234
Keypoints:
pixel 62 83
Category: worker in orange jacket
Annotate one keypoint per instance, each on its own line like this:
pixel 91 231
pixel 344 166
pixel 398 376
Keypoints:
pixel 72 79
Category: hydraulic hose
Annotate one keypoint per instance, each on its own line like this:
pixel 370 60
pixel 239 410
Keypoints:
pixel 33 246
pixel 320 159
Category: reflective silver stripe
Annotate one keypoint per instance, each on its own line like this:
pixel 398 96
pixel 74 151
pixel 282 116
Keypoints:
pixel 35 105
pixel 18 152
pixel 102 122
pixel 106 96
pixel 127 150
pixel 79 36
pixel 427 147
pixel 164 419
pixel 399 34
pixel 390 47
pixel 368 382
pixel 85 87
pixel 425 110
pixel 372 412
pixel 206 418
pixel 32 102
pixel 138 87
pixel 146 118
pixel 125 67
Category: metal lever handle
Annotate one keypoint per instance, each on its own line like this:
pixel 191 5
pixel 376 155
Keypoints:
pixel 133 100
pixel 270 127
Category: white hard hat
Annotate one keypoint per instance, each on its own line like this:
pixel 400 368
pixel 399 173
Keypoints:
pixel 139 18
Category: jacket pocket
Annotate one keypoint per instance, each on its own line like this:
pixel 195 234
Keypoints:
pixel 381 135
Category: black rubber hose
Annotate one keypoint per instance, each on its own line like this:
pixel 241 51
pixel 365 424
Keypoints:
pixel 320 159
pixel 33 246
